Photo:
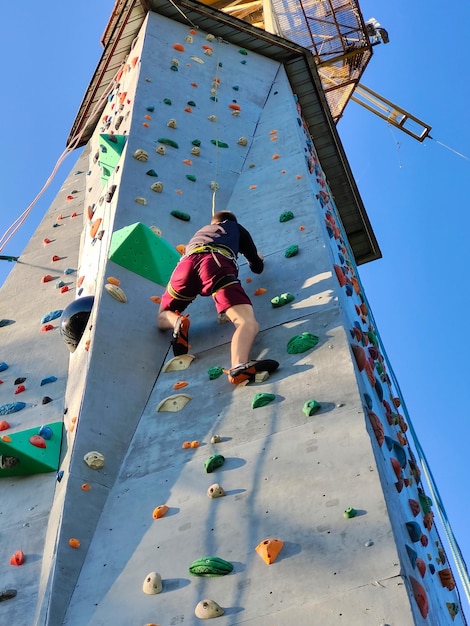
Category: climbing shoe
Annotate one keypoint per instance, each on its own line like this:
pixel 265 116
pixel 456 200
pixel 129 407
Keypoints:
pixel 247 371
pixel 179 340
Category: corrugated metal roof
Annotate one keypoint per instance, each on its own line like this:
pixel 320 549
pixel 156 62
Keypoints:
pixel 123 27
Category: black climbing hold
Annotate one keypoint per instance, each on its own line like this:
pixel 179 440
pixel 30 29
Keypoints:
pixel 20 380
pixel 74 319
pixel 46 400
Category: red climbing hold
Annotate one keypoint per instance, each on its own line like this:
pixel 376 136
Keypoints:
pixel 64 289
pixel 17 558
pixel 46 327
pixel 4 425
pixel 55 258
pixel 68 198
pixel 20 389
pixel 74 214
pixel 47 278
pixel 45 241
pixel 38 441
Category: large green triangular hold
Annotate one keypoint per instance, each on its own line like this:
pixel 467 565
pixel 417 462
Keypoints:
pixel 20 457
pixel 111 147
pixel 140 250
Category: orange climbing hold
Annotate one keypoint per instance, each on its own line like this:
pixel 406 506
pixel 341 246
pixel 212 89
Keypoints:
pixel 94 227
pixel 253 186
pixel 269 549
pixel 260 291
pixel 134 61
pixel 86 487
pixel 186 445
pixel 74 543
pixel 275 156
pixel 194 444
pixel 160 511
pixel 17 558
pixel 113 281
pixel 273 132
pixel 181 248
pixel 6 438
pixel 79 281
pixel 187 162
pixel 156 299
pixel 234 106
pixel 188 110
pixel 178 46
pixel 145 124
pixel 180 384
pixel 301 227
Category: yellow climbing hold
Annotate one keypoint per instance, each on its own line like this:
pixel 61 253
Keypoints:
pixel 174 403
pixel 178 363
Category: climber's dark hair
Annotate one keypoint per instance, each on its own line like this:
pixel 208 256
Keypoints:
pixel 223 216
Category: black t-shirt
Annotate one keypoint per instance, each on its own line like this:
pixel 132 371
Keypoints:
pixel 230 235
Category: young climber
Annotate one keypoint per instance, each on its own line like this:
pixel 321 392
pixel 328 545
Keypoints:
pixel 209 268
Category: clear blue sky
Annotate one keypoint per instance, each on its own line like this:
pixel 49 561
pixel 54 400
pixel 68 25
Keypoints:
pixel 415 194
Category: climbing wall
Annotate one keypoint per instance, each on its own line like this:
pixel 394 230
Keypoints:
pixel 321 510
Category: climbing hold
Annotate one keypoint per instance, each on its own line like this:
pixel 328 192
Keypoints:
pixel 151 173
pixel 17 558
pixel 284 298
pixel 234 106
pixel 8 594
pixel 311 407
pixel 219 144
pixel 212 118
pixel 171 124
pixel 178 46
pixel 447 579
pixel 208 609
pixel 269 549
pixel 208 51
pixel 196 151
pixel 215 372
pixel 301 343
pixel 181 215
pixel 195 444
pixel 38 441
pixel 4 425
pixel 19 380
pixel 74 319
pixel 116 292
pixel 420 596
pixel 51 316
pixel 243 51
pixel 160 511
pixel 414 506
pixel 47 327
pixel 3 366
pixel 55 258
pixel 197 59
pixel 377 427
pixel 46 400
pixel 141 155
pixel 414 531
pixel 94 459
pixel 186 445
pixel 421 566
pixel 181 248
pixel 178 363
pixel 167 101
pixel 11 407
pixel 161 150
pixel 291 251
pixel 213 462
pixel 20 389
pixel 191 177
pixel 215 491
pixel 349 512
pixel 243 141
pixel 286 216
pixel 216 439
pixel 210 566
pixel 158 187
pixel 180 384
pixel 262 399
pixel 74 543
pixel 46 432
pixel 152 584
pixel 168 142
pixel 260 291
pixel 174 403
pixel 189 39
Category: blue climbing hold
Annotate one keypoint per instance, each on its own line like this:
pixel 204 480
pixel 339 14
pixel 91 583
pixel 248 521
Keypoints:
pixel 53 315
pixel 45 432
pixel 11 407
pixel 3 366
pixel 48 379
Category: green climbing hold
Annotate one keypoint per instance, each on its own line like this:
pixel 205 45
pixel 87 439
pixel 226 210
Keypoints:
pixel 150 109
pixel 235 87
pixel 311 407
pixel 219 144
pixel 213 462
pixel 286 216
pixel 167 101
pixel 210 566
pixel 301 343
pixel 196 142
pixel 151 173
pixel 350 512
pixel 243 51
pixel 174 68
pixel 214 98
pixel 191 103
pixel 291 251
pixel 373 338
pixel 168 142
pixel 262 399
pixel 191 177
pixel 215 372
pixel 284 298
pixel 181 215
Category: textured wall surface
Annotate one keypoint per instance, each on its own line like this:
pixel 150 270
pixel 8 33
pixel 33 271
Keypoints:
pixel 287 475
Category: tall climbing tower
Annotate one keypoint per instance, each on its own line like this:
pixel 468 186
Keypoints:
pixel 112 451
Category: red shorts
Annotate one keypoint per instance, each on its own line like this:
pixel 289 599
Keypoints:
pixel 205 274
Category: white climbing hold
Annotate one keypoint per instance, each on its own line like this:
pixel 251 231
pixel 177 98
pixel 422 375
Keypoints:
pixel 158 187
pixel 141 200
pixel 174 403
pixel 152 584
pixel 243 141
pixel 206 609
pixel 171 123
pixel 215 491
pixel 94 459
pixel 116 292
pixel 161 150
pixel 196 151
pixel 177 363
pixel 141 155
